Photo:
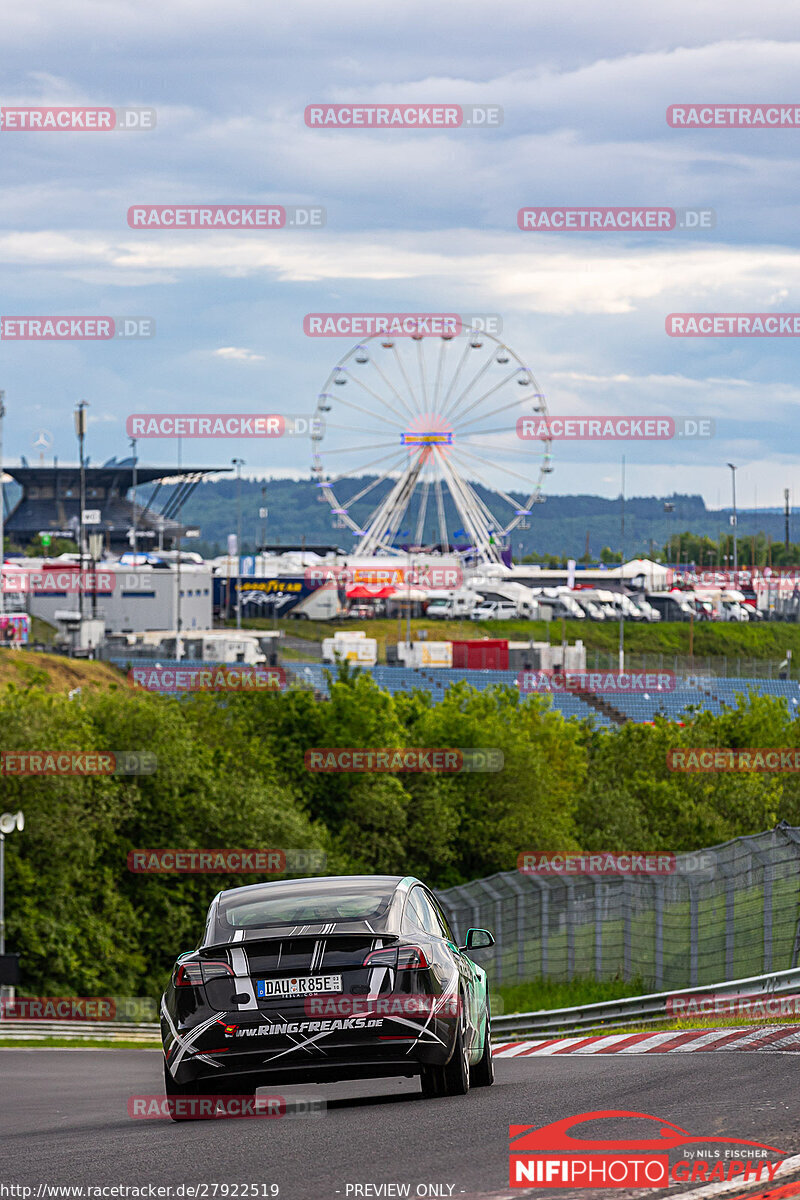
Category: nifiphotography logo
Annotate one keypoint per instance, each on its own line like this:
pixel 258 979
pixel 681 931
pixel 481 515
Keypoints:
pixel 662 1154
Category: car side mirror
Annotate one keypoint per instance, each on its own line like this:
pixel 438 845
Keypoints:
pixel 478 939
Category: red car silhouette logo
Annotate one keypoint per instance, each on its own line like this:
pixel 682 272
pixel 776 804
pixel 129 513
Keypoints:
pixel 556 1136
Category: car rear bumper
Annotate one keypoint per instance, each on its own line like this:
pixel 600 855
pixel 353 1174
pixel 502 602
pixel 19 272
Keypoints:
pixel 390 1049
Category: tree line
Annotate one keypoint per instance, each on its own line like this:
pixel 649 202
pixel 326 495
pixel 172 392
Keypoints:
pixel 231 774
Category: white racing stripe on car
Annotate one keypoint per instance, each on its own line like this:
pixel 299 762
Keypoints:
pixel 440 1002
pixel 300 1045
pixel 415 1025
pixel 186 1042
pixel 243 981
pixel 292 1036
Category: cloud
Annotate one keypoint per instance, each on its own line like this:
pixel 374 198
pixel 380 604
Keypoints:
pixel 237 354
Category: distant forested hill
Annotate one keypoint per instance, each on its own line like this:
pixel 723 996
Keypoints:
pixel 559 526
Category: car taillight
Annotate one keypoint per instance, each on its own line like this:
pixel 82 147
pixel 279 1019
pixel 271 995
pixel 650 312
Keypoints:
pixel 214 969
pixel 188 975
pixel 402 958
pixel 193 973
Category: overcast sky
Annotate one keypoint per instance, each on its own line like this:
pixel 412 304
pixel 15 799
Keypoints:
pixel 417 220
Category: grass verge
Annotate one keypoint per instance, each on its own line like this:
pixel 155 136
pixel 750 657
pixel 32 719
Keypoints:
pixel 541 994
pixel 35 1043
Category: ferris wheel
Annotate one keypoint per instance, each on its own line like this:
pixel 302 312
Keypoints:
pixel 432 422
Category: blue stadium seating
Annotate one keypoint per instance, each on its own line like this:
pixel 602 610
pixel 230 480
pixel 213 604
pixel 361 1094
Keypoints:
pixel 708 694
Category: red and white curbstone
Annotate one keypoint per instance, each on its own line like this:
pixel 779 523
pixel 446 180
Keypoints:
pixel 766 1037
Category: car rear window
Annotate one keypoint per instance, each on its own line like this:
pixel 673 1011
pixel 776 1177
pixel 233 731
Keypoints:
pixel 330 906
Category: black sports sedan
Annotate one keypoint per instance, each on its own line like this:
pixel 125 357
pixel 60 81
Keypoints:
pixel 315 980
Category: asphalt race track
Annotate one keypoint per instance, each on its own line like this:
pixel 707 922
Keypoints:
pixel 63 1120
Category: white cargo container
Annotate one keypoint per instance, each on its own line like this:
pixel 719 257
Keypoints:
pixel 350 646
pixel 425 654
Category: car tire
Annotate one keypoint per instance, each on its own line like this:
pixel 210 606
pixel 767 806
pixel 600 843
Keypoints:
pixel 176 1091
pixel 431 1082
pixel 455 1074
pixel 482 1074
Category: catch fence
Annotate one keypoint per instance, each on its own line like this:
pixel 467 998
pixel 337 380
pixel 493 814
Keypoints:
pixel 724 913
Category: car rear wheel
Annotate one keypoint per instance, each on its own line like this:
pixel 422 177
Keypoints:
pixel 432 1082
pixel 482 1074
pixel 455 1074
pixel 176 1091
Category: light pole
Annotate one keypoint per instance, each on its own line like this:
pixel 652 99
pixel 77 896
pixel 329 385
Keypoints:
pixel 178 606
pixel 621 575
pixel 133 539
pixel 733 523
pixel 2 503
pixel 238 463
pixel 80 429
pixel 8 823
pixel 669 507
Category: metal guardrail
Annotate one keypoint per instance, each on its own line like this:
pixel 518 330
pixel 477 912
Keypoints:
pixel 630 1010
pixel 118 1031
pixel 637 1010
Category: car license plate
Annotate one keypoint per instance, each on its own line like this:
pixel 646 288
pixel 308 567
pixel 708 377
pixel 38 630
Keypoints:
pixel 298 985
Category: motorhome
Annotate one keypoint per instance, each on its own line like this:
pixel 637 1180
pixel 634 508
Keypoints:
pixel 561 604
pixel 199 645
pixel 673 606
pixel 451 605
